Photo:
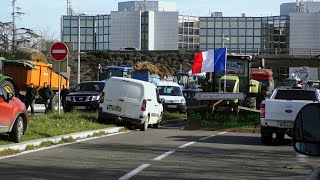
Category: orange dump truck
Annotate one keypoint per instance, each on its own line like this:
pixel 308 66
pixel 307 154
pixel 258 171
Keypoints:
pixel 25 72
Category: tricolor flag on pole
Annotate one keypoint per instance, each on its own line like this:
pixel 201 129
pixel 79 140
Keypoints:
pixel 210 61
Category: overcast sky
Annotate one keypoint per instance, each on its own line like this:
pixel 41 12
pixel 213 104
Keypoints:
pixel 45 14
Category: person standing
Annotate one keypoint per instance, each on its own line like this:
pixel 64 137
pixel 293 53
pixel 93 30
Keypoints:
pixel 64 92
pixel 46 95
pixel 31 97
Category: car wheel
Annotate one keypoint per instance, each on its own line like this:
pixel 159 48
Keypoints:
pixel 266 136
pixel 54 104
pixel 101 120
pixel 157 125
pixel 280 137
pixel 17 130
pixel 144 126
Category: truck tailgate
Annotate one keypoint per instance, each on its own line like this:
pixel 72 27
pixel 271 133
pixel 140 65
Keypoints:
pixel 283 109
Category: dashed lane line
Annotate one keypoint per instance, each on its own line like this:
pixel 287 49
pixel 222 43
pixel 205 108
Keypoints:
pixel 134 172
pixel 159 158
pixel 187 144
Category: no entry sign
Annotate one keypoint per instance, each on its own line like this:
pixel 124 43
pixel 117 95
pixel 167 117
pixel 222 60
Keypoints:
pixel 59 51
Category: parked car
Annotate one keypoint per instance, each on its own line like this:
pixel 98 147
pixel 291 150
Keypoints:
pixel 132 101
pixel 278 113
pixel 13 116
pixel 172 95
pixel 85 96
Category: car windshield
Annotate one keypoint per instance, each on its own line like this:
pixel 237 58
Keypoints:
pixel 169 91
pixel 296 95
pixel 90 86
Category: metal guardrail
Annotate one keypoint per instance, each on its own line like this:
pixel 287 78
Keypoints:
pixel 306 52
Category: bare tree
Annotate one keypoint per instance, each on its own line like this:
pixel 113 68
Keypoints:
pixel 12 37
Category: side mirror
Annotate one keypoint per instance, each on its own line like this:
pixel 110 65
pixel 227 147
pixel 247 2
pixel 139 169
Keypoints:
pixel 9 96
pixel 306 134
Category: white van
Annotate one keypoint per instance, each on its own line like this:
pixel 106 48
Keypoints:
pixel 133 101
pixel 172 95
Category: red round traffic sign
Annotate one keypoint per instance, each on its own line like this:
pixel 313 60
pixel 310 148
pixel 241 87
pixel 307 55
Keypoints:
pixel 59 51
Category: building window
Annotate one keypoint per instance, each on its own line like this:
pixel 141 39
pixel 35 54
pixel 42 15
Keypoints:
pixel 89 31
pixel 203 32
pixel 250 24
pixel 66 38
pixel 82 38
pixel 66 30
pixel 66 23
pixel 74 38
pixel 82 31
pixel 242 32
pixel 89 23
pixel 218 32
pixel 90 39
pixel 249 40
pixel 74 23
pixel 257 32
pixel 234 24
pixel 89 46
pixel 249 32
pixel 242 24
pixel 74 31
pixel 218 24
pixel 242 40
pixel 203 24
pixel 226 24
pixel 210 24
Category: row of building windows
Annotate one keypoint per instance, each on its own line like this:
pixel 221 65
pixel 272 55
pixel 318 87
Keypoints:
pixel 86 21
pixel 90 39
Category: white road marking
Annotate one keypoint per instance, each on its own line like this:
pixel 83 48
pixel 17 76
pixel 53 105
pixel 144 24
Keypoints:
pixel 302 158
pixel 222 133
pixel 164 155
pixel 205 138
pixel 59 51
pixel 59 145
pixel 134 172
pixel 185 145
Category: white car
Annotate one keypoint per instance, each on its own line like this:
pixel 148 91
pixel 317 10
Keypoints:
pixel 172 95
pixel 133 101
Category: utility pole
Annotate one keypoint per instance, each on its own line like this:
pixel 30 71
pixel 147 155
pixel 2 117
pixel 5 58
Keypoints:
pixel 13 4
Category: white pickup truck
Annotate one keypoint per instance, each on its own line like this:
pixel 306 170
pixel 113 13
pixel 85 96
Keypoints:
pixel 279 112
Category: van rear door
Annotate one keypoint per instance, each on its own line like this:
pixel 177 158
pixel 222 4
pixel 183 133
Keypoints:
pixel 135 96
pixel 115 97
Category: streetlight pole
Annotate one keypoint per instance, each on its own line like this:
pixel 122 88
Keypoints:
pixel 79 48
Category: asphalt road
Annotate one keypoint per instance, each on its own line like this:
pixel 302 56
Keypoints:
pixel 167 153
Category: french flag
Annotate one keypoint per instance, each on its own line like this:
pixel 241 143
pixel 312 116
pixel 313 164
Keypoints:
pixel 210 61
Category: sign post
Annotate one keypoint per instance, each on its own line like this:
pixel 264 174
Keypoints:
pixel 219 96
pixel 59 51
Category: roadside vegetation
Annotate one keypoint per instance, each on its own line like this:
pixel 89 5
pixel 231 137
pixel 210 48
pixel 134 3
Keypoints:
pixel 172 116
pixel 44 126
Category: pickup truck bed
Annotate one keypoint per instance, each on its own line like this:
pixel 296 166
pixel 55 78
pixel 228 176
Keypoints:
pixel 280 111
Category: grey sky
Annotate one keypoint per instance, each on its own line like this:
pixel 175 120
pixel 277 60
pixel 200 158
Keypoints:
pixel 45 14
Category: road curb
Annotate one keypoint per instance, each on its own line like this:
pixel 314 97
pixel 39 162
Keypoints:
pixel 81 135
pixel 174 121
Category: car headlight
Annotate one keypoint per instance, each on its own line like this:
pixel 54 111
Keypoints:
pixel 183 101
pixel 68 98
pixel 95 98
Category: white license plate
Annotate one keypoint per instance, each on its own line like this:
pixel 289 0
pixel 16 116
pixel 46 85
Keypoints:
pixel 81 107
pixel 172 106
pixel 286 125
pixel 114 108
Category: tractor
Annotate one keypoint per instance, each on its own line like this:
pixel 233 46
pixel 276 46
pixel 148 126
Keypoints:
pixel 238 78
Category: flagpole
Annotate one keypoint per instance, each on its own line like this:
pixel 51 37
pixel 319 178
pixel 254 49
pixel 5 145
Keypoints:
pixel 225 66
pixel 225 74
